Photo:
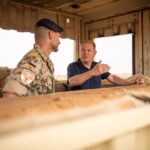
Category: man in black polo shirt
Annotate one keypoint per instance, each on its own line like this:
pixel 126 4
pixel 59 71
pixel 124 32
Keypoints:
pixel 87 74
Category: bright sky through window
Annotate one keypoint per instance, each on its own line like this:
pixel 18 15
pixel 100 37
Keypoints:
pixel 63 57
pixel 116 51
pixel 14 45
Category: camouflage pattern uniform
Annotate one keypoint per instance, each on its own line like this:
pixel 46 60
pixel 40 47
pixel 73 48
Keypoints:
pixel 32 76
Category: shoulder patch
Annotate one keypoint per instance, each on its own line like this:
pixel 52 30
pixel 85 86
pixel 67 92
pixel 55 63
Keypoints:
pixel 27 77
pixel 33 53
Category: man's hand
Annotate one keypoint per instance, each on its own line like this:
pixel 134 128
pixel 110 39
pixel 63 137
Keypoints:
pixel 100 69
pixel 9 95
pixel 139 80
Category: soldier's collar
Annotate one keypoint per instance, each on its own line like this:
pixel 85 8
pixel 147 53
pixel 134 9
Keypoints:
pixel 37 47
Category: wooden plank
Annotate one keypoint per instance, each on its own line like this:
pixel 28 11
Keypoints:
pixel 124 29
pixel 1 13
pixel 19 107
pixel 115 22
pixel 113 8
pixel 46 119
pixel 13 16
pixel 27 17
pixel 83 133
pixel 78 31
pixel 93 34
pixel 20 18
pixel 70 27
pixel 108 32
pixel 4 15
pixel 146 40
pixel 138 45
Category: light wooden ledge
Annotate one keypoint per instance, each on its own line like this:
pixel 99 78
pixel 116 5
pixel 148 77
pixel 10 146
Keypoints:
pixel 77 120
pixel 78 133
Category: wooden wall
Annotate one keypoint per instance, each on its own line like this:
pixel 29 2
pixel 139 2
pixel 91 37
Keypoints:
pixel 146 41
pixel 22 18
pixel 138 23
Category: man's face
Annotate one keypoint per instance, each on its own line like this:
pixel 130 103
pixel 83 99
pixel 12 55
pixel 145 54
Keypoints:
pixel 87 53
pixel 55 41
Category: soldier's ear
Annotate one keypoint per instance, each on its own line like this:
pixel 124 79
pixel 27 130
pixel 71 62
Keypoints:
pixel 50 34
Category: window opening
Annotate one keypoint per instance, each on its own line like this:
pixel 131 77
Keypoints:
pixel 116 51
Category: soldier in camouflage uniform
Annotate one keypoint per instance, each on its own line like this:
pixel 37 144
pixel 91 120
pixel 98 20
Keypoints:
pixel 34 73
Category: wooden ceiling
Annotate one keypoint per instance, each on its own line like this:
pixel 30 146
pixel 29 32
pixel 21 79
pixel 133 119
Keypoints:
pixel 88 9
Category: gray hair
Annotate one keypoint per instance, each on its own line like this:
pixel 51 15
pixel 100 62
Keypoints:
pixel 90 42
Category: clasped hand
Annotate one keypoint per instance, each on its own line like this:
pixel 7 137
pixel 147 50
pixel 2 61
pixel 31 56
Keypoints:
pixel 100 69
pixel 139 80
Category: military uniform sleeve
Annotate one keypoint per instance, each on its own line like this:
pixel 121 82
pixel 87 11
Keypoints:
pixel 31 61
pixel 21 77
pixel 15 87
